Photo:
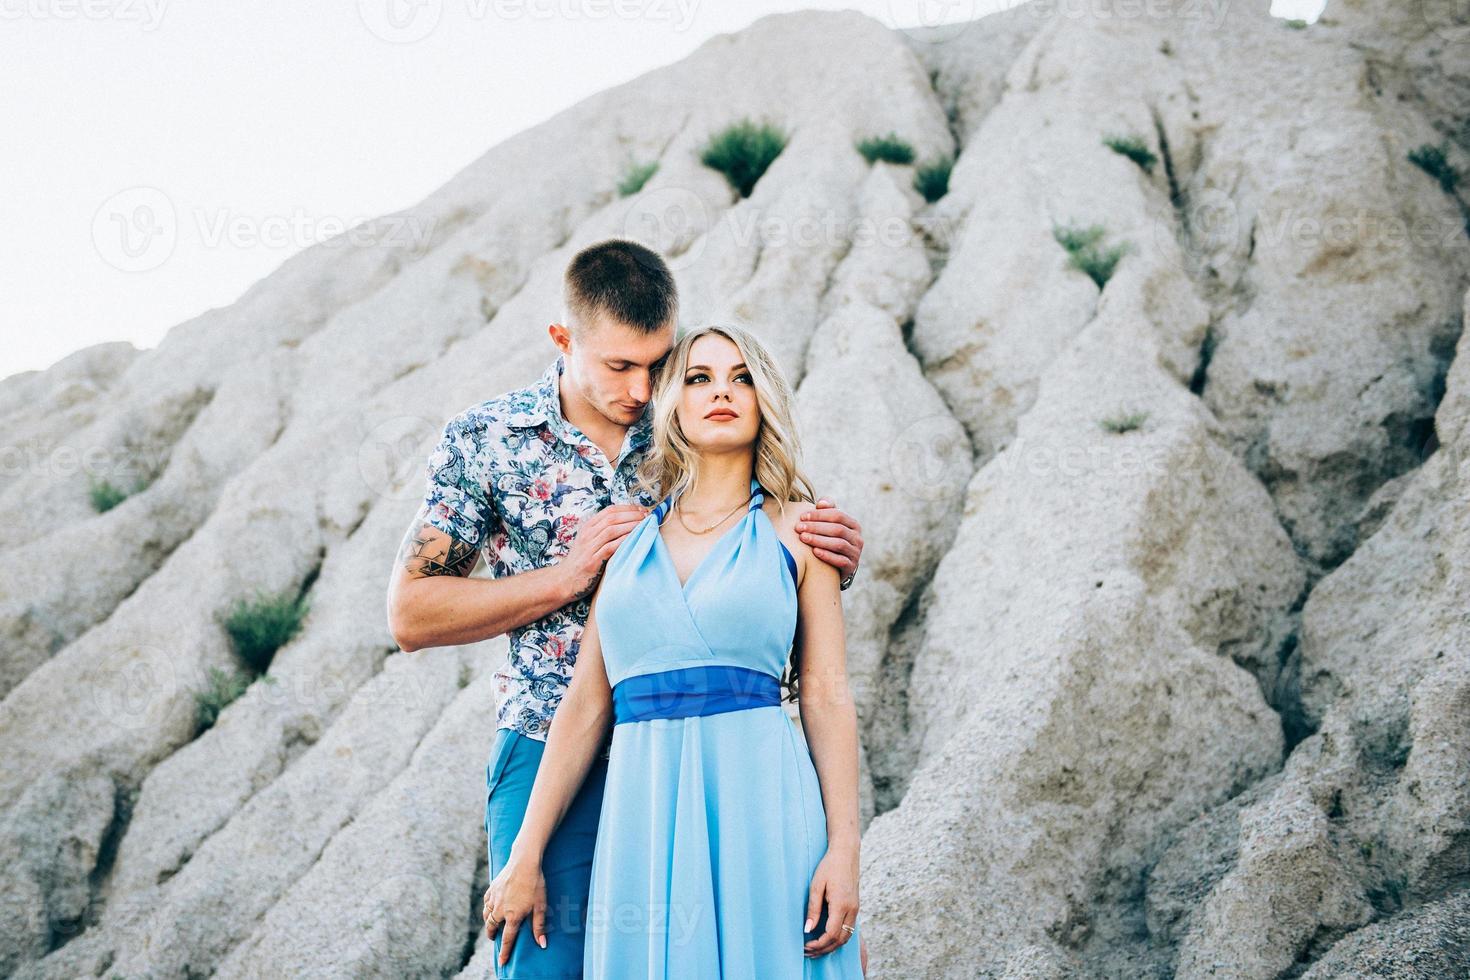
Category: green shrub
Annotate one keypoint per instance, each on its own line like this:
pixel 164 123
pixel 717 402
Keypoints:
pixel 223 688
pixel 635 176
pixel 1124 423
pixel 743 151
pixel 932 178
pixel 261 626
pixel 889 149
pixel 1085 251
pixel 1434 161
pixel 105 495
pixel 1134 148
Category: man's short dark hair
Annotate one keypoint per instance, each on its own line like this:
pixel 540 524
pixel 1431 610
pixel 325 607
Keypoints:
pixel 623 279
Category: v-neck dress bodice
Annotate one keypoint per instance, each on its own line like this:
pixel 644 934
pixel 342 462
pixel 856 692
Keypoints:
pixel 648 621
pixel 712 821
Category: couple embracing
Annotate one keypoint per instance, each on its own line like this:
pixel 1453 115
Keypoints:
pixel 674 822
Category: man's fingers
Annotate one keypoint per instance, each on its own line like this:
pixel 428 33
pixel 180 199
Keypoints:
pixel 841 559
pixel 821 525
pixel 620 514
pixel 614 532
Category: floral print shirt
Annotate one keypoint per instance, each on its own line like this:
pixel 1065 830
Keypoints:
pixel 512 477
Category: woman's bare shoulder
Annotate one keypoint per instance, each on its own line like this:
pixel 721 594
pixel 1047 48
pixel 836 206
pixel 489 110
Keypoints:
pixel 784 521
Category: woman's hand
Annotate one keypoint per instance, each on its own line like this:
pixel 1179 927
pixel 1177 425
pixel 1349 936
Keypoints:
pixel 519 890
pixel 836 881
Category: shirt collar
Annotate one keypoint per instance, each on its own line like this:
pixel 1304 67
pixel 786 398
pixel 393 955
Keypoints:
pixel 540 404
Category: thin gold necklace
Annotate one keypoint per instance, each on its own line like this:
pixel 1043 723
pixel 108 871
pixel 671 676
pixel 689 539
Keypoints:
pixel 679 512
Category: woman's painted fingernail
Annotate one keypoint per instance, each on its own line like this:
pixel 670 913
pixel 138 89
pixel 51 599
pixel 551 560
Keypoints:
pixel 807 927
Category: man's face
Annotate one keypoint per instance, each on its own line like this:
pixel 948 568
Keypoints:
pixel 614 365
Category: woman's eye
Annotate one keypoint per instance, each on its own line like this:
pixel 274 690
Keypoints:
pixel 701 376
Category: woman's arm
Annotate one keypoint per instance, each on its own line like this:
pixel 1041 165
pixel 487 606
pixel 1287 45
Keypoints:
pixel 829 722
pixel 578 730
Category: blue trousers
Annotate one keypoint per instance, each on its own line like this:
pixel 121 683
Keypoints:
pixel 567 863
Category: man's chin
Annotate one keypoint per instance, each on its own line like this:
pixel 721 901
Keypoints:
pixel 626 414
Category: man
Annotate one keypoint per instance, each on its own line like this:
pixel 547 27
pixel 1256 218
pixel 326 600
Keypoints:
pixel 539 480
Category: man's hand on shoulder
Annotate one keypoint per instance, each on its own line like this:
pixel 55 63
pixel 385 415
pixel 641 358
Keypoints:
pixel 596 540
pixel 834 536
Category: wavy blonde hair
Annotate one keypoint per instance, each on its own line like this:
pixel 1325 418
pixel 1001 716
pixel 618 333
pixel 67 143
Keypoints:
pixel 672 464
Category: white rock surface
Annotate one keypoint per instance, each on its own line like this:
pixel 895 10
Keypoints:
pixel 1186 699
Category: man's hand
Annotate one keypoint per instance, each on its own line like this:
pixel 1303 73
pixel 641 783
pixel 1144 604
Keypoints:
pixel 519 890
pixel 835 537
pixel 597 539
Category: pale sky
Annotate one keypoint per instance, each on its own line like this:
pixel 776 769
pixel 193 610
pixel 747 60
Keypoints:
pixel 244 132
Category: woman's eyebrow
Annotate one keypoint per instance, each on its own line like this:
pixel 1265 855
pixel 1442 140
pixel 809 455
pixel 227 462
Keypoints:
pixel 706 367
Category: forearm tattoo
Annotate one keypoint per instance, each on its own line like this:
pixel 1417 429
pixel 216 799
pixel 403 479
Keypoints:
pixel 590 585
pixel 424 553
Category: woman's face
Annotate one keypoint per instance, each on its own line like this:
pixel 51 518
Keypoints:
pixel 717 407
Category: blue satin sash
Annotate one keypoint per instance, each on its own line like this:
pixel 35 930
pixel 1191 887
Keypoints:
pixel 689 691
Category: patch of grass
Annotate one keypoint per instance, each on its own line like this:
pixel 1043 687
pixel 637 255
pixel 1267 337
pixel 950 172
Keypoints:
pixel 105 495
pixel 222 690
pixel 1434 161
pixel 1134 148
pixel 890 149
pixel 635 176
pixel 260 626
pixel 742 151
pixel 1085 251
pixel 1296 24
pixel 1123 423
pixel 932 178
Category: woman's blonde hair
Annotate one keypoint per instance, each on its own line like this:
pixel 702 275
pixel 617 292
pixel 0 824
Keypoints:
pixel 672 464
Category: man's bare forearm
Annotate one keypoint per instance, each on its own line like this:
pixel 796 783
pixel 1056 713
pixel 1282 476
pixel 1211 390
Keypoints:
pixel 432 602
pixel 446 610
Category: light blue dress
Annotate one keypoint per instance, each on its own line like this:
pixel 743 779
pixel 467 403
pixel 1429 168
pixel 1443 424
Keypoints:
pixel 712 821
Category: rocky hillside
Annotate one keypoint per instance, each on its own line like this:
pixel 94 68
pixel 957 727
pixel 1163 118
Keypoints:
pixel 1161 638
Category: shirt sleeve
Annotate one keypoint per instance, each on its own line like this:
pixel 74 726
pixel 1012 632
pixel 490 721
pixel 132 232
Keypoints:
pixel 455 501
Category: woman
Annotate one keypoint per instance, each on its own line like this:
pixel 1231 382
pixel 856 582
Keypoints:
pixel 724 844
